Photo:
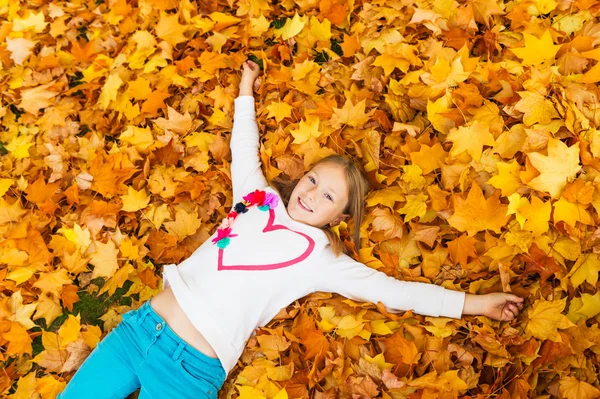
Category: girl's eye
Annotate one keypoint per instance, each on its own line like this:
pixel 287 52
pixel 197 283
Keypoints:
pixel 329 197
pixel 311 179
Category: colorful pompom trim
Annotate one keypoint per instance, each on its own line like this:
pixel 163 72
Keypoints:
pixel 262 199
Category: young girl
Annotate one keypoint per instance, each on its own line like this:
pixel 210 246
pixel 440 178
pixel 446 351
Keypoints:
pixel 270 250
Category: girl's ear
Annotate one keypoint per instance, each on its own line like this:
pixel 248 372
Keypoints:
pixel 343 217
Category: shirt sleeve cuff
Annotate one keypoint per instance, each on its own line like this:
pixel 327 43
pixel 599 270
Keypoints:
pixel 453 304
pixel 244 105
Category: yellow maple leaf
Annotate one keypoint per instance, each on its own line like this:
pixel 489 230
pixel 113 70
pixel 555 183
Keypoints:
pixel 584 307
pixel 139 89
pixel 570 213
pixel 536 108
pixel 435 114
pixel 306 129
pixel 117 280
pixel 556 169
pixel 279 110
pixel 19 146
pixel 415 207
pixel 20 49
pixel 413 175
pixel 475 213
pixel 69 330
pixel 32 100
pixel 320 30
pixel 429 158
pixel 33 22
pixel 176 122
pixel 134 200
pixel 52 282
pixel 5 184
pixel 104 259
pixel 537 51
pixel 109 90
pixel 507 179
pixel 572 388
pixel 185 224
pixel 78 236
pixel 200 139
pixel 532 216
pixel 545 318
pixel 292 27
pixel 21 313
pixel 170 30
pixel 586 268
pixel 349 114
pixel 471 139
pixel 258 26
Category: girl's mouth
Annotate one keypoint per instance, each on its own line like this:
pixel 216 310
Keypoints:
pixel 303 205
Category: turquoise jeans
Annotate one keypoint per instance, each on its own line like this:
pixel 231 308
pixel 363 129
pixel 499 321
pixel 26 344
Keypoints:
pixel 142 352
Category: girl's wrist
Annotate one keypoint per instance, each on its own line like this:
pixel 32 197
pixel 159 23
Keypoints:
pixel 473 305
pixel 246 87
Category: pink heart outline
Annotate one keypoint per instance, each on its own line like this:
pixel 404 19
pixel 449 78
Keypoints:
pixel 271 227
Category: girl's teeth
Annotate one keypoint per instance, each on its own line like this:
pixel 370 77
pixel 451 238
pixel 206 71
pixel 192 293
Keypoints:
pixel 304 205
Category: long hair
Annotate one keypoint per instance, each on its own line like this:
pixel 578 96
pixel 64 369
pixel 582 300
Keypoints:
pixel 358 187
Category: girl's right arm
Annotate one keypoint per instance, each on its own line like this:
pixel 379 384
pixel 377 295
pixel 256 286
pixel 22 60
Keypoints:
pixel 246 172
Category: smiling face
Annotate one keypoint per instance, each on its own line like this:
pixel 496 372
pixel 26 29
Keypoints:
pixel 320 196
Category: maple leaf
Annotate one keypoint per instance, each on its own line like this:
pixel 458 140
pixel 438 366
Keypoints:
pixel 185 224
pixel 556 169
pixel 545 318
pixel 109 176
pixel 19 48
pixel 292 27
pixel 109 90
pixel 475 213
pixel 20 312
pixel 169 29
pixel 135 200
pixel 572 388
pixel 32 100
pixel 507 179
pixel 537 108
pixel 279 110
pixel 471 139
pixel 536 50
pixel 349 114
pixel 104 259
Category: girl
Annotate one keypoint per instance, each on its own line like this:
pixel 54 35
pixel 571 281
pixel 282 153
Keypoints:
pixel 270 250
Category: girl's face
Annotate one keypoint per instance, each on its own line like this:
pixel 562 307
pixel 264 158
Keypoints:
pixel 320 196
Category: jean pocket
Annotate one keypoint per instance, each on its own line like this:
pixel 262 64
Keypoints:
pixel 199 376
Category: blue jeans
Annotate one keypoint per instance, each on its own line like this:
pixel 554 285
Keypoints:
pixel 142 352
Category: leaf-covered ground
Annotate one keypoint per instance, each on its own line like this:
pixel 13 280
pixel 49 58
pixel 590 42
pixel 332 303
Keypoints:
pixel 477 122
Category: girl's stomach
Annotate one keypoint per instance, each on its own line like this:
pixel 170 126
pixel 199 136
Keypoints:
pixel 166 306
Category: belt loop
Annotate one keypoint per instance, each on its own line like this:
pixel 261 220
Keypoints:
pixel 143 312
pixel 178 351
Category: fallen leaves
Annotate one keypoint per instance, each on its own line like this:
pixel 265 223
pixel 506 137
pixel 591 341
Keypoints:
pixel 476 122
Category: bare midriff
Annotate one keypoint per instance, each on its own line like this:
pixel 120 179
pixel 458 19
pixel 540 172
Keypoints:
pixel 166 306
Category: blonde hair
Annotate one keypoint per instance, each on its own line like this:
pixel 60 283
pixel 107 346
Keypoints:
pixel 358 187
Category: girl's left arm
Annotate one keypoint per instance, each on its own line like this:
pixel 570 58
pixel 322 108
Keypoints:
pixel 354 280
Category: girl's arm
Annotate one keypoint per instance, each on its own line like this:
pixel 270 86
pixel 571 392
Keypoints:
pixel 246 172
pixel 354 280
pixel 357 281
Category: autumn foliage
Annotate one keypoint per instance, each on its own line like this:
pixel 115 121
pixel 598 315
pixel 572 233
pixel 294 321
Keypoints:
pixel 476 121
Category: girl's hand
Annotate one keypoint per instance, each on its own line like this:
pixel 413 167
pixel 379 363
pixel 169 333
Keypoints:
pixel 497 305
pixel 250 71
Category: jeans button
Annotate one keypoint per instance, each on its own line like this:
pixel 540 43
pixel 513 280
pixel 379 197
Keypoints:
pixel 158 326
pixel 208 392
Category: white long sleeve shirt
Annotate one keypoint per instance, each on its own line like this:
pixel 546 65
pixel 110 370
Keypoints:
pixel 275 260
